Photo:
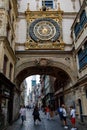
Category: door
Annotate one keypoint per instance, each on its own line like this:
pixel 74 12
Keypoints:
pixel 80 109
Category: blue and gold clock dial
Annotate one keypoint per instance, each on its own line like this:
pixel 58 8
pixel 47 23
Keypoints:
pixel 44 29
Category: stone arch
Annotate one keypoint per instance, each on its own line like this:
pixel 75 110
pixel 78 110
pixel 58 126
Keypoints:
pixel 25 68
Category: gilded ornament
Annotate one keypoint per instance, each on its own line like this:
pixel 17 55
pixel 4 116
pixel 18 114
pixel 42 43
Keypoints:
pixel 44 29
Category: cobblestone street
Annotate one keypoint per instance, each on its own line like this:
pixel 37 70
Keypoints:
pixel 53 124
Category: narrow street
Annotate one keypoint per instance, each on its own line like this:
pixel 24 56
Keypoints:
pixel 53 124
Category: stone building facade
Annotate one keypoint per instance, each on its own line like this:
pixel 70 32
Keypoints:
pixel 8 14
pixel 79 36
pixel 45 37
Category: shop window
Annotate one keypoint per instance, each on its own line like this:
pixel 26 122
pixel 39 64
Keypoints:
pixel 48 3
pixel 5 64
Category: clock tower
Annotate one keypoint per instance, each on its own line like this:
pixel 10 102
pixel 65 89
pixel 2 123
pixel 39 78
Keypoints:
pixel 44 29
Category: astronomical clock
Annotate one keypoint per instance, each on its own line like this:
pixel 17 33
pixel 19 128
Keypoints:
pixel 44 29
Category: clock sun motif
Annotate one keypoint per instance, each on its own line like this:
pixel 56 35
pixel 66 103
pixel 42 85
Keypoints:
pixel 44 31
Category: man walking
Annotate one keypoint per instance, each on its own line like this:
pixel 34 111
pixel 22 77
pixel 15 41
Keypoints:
pixel 64 116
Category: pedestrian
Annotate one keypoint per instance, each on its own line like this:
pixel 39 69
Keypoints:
pixel 36 115
pixel 64 116
pixel 73 117
pixel 48 112
pixel 22 113
pixel 51 112
pixel 45 110
pixel 60 112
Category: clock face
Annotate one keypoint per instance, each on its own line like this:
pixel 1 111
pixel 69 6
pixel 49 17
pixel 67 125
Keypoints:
pixel 44 29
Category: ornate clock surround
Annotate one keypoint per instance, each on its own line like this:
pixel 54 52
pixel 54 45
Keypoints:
pixel 44 30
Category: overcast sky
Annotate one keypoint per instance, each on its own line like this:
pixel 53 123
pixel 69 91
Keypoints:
pixel 28 80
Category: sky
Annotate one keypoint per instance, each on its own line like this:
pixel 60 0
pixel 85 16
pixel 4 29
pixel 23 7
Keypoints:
pixel 28 80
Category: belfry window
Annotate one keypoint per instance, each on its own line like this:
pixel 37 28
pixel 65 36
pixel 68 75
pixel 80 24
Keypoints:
pixel 47 3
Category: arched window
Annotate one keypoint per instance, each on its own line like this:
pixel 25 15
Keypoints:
pixel 10 70
pixel 5 64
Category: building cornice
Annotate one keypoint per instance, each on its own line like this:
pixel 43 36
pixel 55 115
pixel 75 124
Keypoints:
pixel 81 81
pixel 43 52
pixel 65 14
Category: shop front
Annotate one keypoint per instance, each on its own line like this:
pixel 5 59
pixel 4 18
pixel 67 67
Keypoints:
pixel 6 101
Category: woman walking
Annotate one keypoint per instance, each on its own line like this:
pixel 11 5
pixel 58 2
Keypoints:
pixel 23 113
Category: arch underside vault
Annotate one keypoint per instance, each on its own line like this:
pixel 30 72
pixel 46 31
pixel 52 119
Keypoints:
pixel 61 72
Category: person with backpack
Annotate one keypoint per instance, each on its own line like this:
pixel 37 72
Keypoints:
pixel 60 112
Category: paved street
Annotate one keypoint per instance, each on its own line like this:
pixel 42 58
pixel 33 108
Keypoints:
pixel 53 124
pixel 44 124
